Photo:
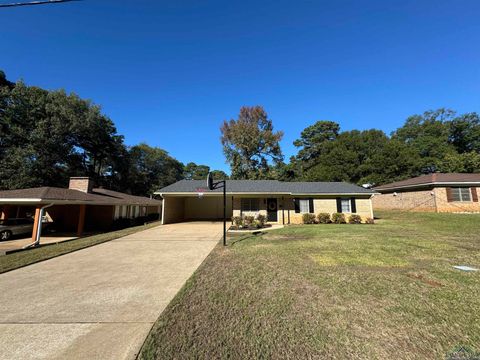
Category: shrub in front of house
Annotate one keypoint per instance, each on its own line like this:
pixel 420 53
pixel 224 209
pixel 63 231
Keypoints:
pixel 237 221
pixel 153 217
pixel 354 219
pixel 324 218
pixel 257 224
pixel 248 220
pixel 261 219
pixel 338 218
pixel 369 221
pixel 308 218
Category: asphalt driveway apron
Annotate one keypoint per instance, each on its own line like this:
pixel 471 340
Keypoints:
pixel 100 302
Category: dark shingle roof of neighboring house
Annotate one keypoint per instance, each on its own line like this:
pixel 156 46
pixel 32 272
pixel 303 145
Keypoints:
pixel 432 179
pixel 267 187
pixel 61 195
pixel 131 199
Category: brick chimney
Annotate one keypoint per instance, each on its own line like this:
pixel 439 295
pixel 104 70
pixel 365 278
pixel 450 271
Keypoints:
pixel 84 184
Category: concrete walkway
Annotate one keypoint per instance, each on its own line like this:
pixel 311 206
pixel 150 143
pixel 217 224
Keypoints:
pixel 100 302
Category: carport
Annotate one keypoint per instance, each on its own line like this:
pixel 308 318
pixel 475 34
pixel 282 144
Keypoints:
pixel 194 207
pixel 42 204
pixel 76 208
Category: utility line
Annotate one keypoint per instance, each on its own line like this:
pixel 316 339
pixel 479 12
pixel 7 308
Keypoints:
pixel 45 2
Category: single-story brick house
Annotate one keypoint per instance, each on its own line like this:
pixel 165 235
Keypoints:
pixel 281 202
pixel 78 208
pixel 436 192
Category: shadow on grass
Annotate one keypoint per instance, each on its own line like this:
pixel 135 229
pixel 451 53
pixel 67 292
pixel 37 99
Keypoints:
pixel 236 240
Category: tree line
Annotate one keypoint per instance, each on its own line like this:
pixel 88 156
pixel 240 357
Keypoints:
pixel 48 136
pixel 435 141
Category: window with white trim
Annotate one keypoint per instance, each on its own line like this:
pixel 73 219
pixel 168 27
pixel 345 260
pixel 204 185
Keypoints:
pixel 304 205
pixel 461 194
pixel 346 205
pixel 250 204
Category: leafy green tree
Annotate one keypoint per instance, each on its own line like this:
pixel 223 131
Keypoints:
pixel 36 141
pixel 151 169
pixel 368 156
pixel 4 82
pixel 464 133
pixel 428 134
pixel 314 137
pixel 250 144
pixel 97 143
pixel 461 163
pixel 48 136
pixel 219 175
pixel 394 161
pixel 193 171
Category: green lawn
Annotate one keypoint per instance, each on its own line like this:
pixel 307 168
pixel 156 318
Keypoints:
pixel 383 291
pixel 19 259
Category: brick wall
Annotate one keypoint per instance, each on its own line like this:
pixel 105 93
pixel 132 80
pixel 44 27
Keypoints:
pixel 286 208
pixel 237 207
pixel 421 200
pixel 83 184
pixel 444 206
pixel 328 205
pixel 434 199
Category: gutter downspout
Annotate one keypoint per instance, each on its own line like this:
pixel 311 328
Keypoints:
pixel 39 228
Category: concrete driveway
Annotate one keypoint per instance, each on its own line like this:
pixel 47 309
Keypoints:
pixel 100 302
pixel 20 243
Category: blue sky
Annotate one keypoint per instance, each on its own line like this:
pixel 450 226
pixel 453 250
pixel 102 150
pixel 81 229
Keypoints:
pixel 169 72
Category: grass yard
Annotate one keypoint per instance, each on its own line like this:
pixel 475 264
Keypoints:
pixel 23 258
pixel 384 291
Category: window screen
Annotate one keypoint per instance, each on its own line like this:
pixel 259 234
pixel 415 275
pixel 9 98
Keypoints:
pixel 346 208
pixel 304 206
pixel 461 194
pixel 250 205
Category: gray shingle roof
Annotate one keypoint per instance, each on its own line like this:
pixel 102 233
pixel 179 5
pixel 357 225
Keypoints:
pixel 268 187
pixel 97 196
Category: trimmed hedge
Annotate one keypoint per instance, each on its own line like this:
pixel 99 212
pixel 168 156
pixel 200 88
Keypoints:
pixel 355 219
pixel 338 218
pixel 324 218
pixel 308 218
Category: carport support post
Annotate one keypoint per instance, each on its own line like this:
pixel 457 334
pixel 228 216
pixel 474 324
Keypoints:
pixel 36 223
pixel 224 213
pixel 81 220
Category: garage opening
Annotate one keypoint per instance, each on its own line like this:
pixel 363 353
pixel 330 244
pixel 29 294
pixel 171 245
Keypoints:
pixel 194 208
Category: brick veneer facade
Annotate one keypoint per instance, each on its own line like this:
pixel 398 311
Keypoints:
pixel 286 209
pixel 432 199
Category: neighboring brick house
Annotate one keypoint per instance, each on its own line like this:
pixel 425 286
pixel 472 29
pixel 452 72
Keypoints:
pixel 78 208
pixel 434 192
pixel 281 202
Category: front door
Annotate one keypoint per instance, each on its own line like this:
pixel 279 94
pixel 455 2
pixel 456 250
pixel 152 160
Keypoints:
pixel 272 207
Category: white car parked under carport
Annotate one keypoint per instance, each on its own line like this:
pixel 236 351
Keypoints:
pixel 11 227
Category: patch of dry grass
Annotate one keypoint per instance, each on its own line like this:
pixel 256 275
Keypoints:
pixel 332 291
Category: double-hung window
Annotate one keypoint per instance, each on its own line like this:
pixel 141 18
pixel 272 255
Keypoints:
pixel 461 194
pixel 250 204
pixel 304 206
pixel 346 206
